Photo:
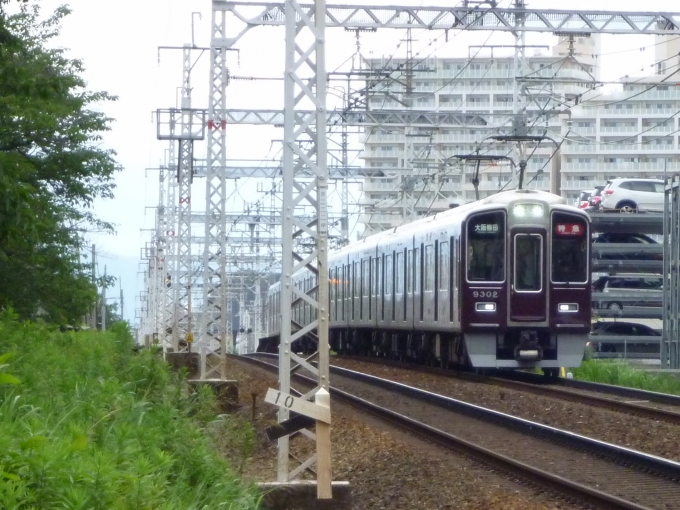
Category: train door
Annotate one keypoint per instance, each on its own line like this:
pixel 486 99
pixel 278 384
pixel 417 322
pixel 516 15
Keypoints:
pixel 417 284
pixel 376 291
pixel 346 293
pixel 365 289
pixel 410 277
pixel 443 281
pixel 454 298
pixel 528 290
pixel 388 286
pixel 429 297
pixel 400 286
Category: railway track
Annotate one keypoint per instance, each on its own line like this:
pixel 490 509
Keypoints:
pixel 628 400
pixel 591 471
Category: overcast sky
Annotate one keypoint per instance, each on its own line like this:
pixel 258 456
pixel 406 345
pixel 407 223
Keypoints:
pixel 118 42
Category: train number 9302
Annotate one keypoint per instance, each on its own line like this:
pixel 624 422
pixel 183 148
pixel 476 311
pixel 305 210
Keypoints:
pixel 485 294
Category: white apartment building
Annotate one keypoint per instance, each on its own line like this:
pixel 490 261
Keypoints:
pixel 607 134
pixel 632 132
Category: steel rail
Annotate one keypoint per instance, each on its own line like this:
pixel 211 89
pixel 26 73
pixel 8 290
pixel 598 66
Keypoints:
pixel 536 384
pixel 557 483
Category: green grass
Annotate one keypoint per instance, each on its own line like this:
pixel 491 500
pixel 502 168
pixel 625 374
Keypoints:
pixel 86 424
pixel 621 374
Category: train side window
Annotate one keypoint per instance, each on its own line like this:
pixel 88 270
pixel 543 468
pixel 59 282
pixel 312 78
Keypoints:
pixel 569 249
pixel 331 290
pixel 429 268
pixel 486 247
pixel 345 289
pixel 528 256
pixel 336 290
pixel 417 271
pixel 399 273
pixel 365 276
pixel 444 265
pixel 388 275
pixel 409 272
pixel 376 276
pixel 357 279
pixel 346 276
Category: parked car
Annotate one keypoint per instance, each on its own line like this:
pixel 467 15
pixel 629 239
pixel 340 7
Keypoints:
pixel 595 199
pixel 627 239
pixel 633 195
pixel 625 330
pixel 646 290
pixel 582 200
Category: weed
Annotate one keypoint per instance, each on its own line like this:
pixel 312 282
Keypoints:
pixel 87 424
pixel 621 374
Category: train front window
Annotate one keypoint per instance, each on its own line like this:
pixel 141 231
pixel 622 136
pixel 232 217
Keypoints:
pixel 528 257
pixel 569 249
pixel 486 247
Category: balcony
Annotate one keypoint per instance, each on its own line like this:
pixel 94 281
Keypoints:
pixel 667 128
pixel 627 166
pixel 385 220
pixel 584 130
pixel 391 185
pixel 658 111
pixel 579 185
pixel 580 148
pixel 619 129
pixel 610 112
pixel 382 138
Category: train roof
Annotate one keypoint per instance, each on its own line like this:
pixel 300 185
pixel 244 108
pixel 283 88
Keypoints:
pixel 503 198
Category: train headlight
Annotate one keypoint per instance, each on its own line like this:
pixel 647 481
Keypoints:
pixel 567 307
pixel 527 210
pixel 485 307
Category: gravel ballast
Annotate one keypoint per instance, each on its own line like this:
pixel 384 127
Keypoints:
pixel 650 436
pixel 386 468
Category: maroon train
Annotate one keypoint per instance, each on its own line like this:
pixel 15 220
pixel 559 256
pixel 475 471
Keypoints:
pixel 501 282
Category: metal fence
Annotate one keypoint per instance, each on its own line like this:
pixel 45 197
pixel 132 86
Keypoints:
pixel 670 348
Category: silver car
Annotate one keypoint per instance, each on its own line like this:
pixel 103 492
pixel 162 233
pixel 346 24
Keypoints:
pixel 633 195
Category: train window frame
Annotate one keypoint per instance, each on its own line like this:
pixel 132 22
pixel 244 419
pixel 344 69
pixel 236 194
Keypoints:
pixel 586 236
pixel 429 268
pixel 332 292
pixel 409 272
pixel 503 213
pixel 399 273
pixel 389 275
pixel 356 281
pixel 541 264
pixel 417 271
pixel 341 292
pixel 365 278
pixel 444 259
pixel 375 292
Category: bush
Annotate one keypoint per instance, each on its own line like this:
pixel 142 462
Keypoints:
pixel 92 426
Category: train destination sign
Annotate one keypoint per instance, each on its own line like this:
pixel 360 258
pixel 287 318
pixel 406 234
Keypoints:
pixel 569 229
pixel 298 405
pixel 486 228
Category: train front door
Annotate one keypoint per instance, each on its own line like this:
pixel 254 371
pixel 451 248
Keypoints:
pixel 528 289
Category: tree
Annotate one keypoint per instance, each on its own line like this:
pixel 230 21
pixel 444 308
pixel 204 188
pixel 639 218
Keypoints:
pixel 51 170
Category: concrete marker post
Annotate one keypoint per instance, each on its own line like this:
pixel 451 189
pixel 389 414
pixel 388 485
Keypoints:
pixel 323 449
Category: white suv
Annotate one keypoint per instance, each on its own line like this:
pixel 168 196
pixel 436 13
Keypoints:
pixel 633 195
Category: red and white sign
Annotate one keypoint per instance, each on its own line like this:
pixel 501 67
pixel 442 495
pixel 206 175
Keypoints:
pixel 569 229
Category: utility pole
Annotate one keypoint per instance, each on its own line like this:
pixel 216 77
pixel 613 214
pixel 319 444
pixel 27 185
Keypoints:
pixel 104 302
pixel 184 125
pixel 93 320
pixel 122 313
